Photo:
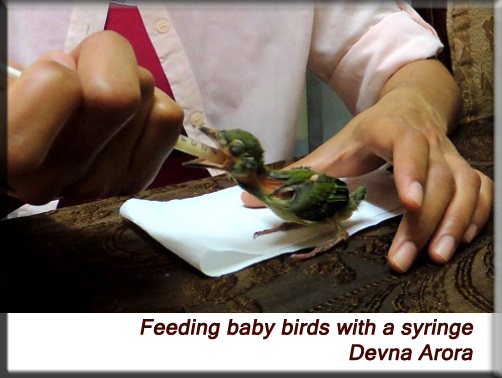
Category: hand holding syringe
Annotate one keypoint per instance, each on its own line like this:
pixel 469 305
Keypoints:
pixel 184 143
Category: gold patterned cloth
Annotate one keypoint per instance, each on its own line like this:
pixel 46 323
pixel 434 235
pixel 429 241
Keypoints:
pixel 470 36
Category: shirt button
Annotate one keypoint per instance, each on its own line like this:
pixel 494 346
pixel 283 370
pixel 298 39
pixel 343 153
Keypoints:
pixel 197 119
pixel 162 25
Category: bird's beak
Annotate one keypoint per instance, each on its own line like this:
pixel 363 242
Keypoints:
pixel 211 133
pixel 221 163
pixel 203 163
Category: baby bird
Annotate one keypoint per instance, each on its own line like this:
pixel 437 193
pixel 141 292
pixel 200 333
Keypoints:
pixel 299 196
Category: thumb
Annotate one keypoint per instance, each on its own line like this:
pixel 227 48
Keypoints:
pixel 340 156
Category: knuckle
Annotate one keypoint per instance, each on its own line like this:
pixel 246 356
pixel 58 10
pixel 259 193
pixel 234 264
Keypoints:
pixel 432 136
pixel 472 179
pixel 168 112
pixel 377 122
pixel 147 82
pixel 112 100
pixel 490 188
pixel 486 181
pixel 458 218
pixel 107 37
pixel 410 136
pixel 444 175
pixel 386 118
pixel 419 136
pixel 486 192
pixel 65 79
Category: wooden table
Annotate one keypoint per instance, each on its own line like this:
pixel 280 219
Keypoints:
pixel 89 259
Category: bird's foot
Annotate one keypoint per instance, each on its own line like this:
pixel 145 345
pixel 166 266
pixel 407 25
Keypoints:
pixel 286 226
pixel 321 248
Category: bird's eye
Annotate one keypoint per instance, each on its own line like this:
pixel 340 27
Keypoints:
pixel 236 147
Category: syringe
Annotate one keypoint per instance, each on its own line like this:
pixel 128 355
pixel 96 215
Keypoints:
pixel 184 143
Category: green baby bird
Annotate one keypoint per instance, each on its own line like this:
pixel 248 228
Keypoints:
pixel 299 196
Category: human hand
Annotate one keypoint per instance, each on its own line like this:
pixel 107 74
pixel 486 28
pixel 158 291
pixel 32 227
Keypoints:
pixel 88 123
pixel 446 201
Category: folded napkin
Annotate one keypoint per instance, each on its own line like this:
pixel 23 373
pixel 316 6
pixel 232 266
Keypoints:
pixel 214 232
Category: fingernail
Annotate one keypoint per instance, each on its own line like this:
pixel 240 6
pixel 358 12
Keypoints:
pixel 416 193
pixel 444 247
pixel 470 233
pixel 62 59
pixel 405 256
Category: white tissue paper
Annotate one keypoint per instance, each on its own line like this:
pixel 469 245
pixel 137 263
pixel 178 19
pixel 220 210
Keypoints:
pixel 214 232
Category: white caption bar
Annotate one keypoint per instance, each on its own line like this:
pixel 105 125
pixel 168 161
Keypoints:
pixel 249 342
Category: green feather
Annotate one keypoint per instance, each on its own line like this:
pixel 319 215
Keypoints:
pixel 302 195
pixel 311 197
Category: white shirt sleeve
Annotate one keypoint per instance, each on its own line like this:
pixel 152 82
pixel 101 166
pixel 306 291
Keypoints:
pixel 357 46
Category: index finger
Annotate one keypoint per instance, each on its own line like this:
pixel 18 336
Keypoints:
pixel 408 150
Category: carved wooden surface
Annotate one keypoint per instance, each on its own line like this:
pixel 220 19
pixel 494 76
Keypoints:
pixel 89 259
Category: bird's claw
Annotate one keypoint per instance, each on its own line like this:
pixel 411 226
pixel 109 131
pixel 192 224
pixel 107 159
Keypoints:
pixel 330 244
pixel 258 233
pixel 283 227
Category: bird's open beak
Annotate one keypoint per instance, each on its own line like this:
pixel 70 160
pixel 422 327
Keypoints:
pixel 224 160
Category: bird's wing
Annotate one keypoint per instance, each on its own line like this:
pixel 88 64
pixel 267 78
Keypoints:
pixel 311 196
pixel 293 176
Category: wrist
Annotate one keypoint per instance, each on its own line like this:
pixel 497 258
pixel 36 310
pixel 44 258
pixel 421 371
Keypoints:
pixel 412 103
pixel 430 86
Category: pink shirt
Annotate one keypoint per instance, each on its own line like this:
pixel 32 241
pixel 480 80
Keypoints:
pixel 243 65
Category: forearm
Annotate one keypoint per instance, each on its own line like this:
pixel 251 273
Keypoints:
pixel 429 82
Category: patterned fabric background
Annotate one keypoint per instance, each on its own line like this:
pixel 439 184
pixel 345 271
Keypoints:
pixel 470 34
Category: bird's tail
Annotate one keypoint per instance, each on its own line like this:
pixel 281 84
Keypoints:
pixel 357 196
